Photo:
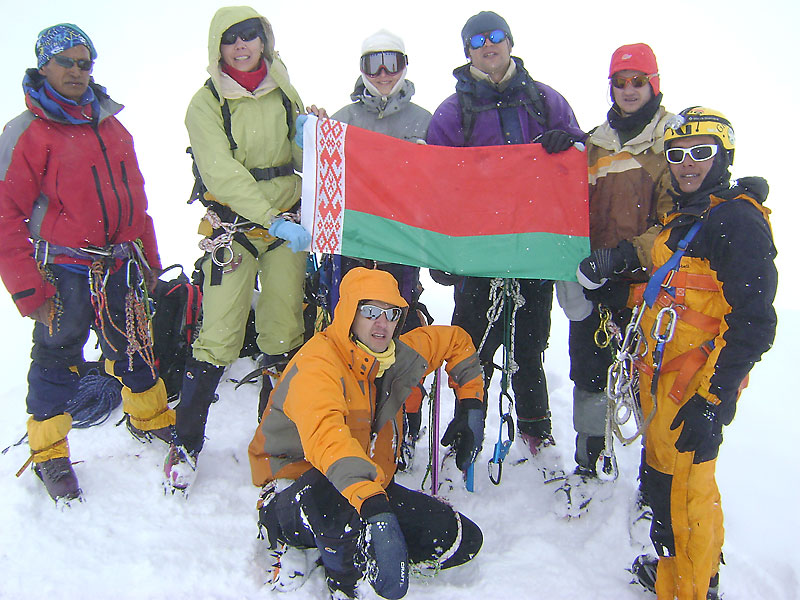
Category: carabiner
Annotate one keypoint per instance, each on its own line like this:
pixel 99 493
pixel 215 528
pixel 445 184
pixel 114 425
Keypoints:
pixel 225 259
pixel 669 331
pixel 602 330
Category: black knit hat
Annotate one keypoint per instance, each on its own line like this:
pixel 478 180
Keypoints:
pixel 481 23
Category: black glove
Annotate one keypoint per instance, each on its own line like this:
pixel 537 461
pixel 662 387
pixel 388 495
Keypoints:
pixel 613 294
pixel 604 263
pixel 444 278
pixel 701 433
pixel 387 548
pixel 555 141
pixel 465 432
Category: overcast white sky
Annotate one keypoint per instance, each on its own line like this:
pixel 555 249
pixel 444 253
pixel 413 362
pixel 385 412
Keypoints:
pixel 738 57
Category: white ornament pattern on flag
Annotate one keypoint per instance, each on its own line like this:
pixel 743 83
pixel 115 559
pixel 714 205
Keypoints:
pixel 330 192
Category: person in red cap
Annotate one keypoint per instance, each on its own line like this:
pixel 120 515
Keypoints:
pixel 628 193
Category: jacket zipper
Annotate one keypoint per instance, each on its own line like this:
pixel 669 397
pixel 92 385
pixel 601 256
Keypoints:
pixel 99 189
pixel 103 148
pixel 127 189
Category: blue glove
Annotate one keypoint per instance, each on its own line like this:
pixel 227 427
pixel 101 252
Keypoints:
pixel 292 232
pixel 700 434
pixel 387 548
pixel 298 127
pixel 465 432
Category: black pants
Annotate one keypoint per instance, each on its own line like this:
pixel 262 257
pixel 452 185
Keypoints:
pixel 311 513
pixel 588 364
pixel 532 330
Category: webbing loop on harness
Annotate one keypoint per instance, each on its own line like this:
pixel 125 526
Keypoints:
pixel 657 280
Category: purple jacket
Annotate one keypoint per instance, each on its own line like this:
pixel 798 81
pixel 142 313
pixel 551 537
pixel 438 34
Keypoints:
pixel 499 118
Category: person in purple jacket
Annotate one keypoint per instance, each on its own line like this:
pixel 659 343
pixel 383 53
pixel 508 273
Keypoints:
pixel 497 103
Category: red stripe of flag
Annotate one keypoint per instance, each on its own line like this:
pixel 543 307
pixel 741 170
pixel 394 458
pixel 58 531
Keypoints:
pixel 467 191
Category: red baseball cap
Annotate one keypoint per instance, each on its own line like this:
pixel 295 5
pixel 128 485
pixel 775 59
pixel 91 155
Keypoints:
pixel 636 57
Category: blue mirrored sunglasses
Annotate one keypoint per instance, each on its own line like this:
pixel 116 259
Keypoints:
pixel 479 40
pixel 372 312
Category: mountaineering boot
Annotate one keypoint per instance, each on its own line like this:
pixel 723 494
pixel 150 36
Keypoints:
pixel 180 468
pixel 59 478
pixel 536 444
pixel 165 434
pixel 200 380
pixel 640 518
pixel 50 455
pixel 291 567
pixel 412 434
pixel 147 413
pixel 341 588
pixel 645 567
pixel 644 570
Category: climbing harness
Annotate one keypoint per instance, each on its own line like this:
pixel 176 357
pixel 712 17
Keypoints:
pixel 505 295
pixel 219 246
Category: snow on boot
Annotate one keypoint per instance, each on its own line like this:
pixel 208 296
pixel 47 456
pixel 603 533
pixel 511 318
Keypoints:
pixel 577 491
pixel 644 569
pixel 59 478
pixel 180 469
pixel 640 518
pixel 292 566
pixel 544 455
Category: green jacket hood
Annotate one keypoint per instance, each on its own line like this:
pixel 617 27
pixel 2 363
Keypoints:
pixel 362 284
pixel 225 18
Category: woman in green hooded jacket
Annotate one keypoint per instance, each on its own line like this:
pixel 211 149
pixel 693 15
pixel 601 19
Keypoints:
pixel 241 125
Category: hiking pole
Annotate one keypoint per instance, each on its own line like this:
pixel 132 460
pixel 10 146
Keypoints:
pixel 434 437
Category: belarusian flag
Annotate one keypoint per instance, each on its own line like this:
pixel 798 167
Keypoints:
pixel 492 211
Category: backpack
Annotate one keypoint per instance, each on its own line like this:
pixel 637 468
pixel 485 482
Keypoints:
pixel 176 323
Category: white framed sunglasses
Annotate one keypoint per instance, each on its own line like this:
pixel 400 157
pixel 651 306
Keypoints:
pixel 699 153
pixel 372 312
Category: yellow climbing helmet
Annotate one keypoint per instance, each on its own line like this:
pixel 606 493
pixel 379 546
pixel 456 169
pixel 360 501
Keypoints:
pixel 698 120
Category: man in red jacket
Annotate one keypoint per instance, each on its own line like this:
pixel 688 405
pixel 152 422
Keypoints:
pixel 78 249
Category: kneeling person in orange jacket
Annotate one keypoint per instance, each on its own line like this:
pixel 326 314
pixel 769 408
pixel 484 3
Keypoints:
pixel 334 425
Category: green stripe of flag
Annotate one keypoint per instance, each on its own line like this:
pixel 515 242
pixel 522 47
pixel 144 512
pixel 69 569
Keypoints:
pixel 519 255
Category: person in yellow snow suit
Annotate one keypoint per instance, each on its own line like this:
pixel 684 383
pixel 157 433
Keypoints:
pixel 707 317
pixel 329 441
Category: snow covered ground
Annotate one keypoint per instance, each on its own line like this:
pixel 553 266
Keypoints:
pixel 129 540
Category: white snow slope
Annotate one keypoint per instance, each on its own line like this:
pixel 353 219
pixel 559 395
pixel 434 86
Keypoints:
pixel 129 540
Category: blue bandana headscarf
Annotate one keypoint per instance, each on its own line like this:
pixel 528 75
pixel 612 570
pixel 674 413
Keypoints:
pixel 56 39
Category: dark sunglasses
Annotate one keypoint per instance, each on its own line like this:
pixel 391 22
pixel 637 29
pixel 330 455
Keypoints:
pixel 637 81
pixel 479 40
pixel 68 63
pixel 391 62
pixel 247 34
pixel 372 312
pixel 699 153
